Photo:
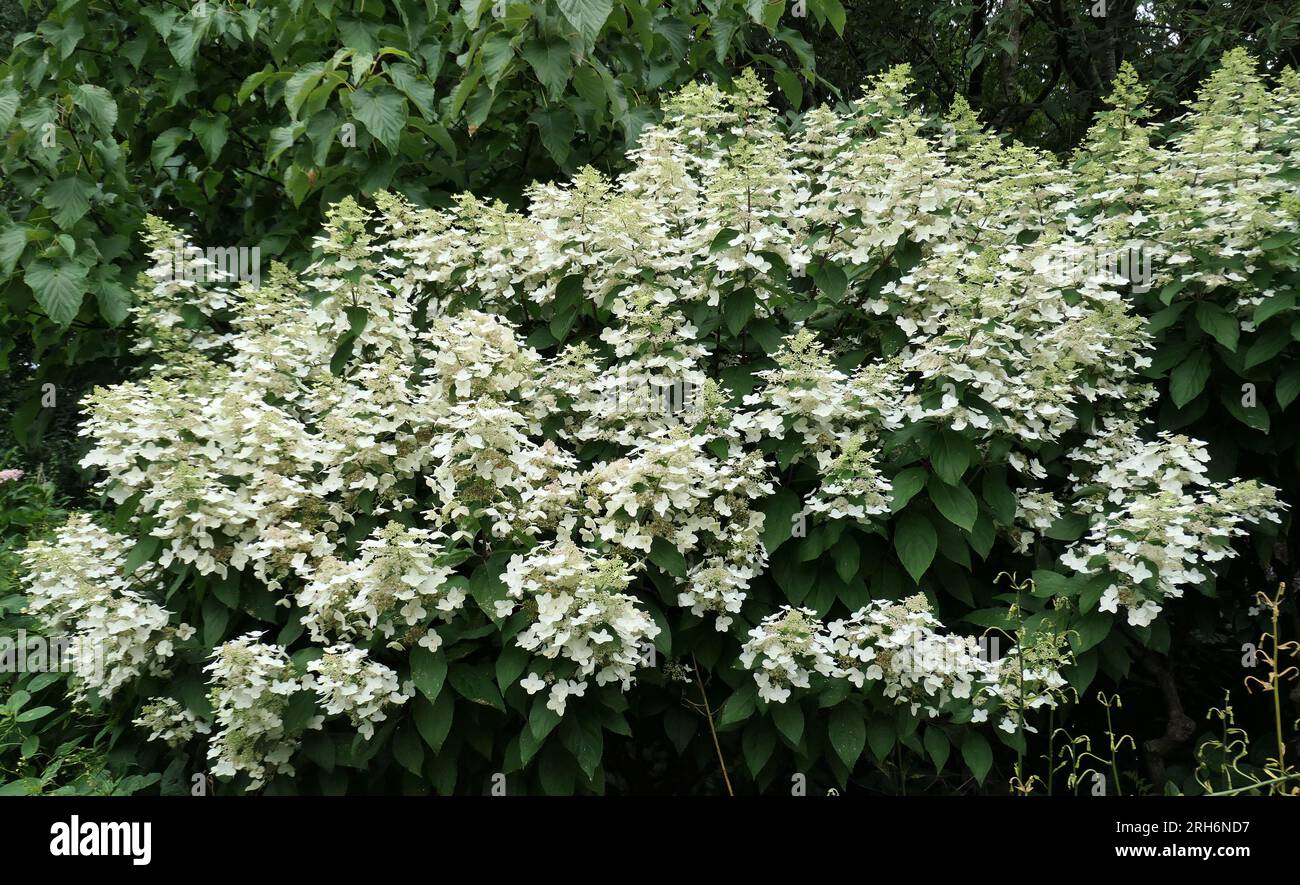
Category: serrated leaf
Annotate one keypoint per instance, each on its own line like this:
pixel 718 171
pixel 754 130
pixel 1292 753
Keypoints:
pixel 383 112
pixel 68 199
pixel 164 146
pixel 588 16
pixel 59 288
pixel 211 134
pixel 13 240
pixel 99 106
pixel 8 108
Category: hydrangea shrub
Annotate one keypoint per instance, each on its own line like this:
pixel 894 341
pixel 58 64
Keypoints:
pixel 730 451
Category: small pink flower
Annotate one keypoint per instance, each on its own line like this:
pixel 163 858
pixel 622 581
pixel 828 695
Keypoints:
pixel 10 475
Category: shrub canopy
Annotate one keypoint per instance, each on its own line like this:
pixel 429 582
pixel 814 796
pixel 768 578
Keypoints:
pixel 772 409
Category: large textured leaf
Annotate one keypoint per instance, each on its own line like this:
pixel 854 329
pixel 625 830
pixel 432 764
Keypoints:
pixel 212 133
pixel 12 242
pixel 68 199
pixel 588 16
pixel 59 288
pixel 551 61
pixel 383 113
pixel 8 107
pixel 98 104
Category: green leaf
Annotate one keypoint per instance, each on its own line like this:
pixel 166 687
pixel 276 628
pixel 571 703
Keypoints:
pixel 977 753
pixel 557 772
pixel 739 706
pixel 186 36
pixel 510 665
pixel 1090 630
pixel 407 750
pixel 846 555
pixel 848 733
pixel 835 14
pixel 1049 583
pixel 164 146
pixel 59 288
pixel 737 310
pixel 778 518
pixel 114 302
pixel 916 542
pixel 1273 305
pixel 665 555
pixel 1288 386
pixel 1218 323
pixel 541 722
pixel 1271 341
pixel 588 16
pixel 63 36
pixel 8 107
pixel 556 129
pixel 12 243
pixel 1188 380
pixel 789 720
pixel 551 61
pixel 433 721
pixel 298 88
pixel 428 671
pixel 212 133
pixel 950 455
pixel 33 713
pixel 936 744
pixel 757 743
pixel 474 684
pixel 495 57
pixel 956 503
pixel 905 486
pixel 68 199
pixel 99 106
pixel 881 736
pixel 216 617
pixel 998 495
pixel 383 112
pixel 831 280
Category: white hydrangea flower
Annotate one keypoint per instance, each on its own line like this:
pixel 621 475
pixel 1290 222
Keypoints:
pixel 252 683
pixel 347 681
